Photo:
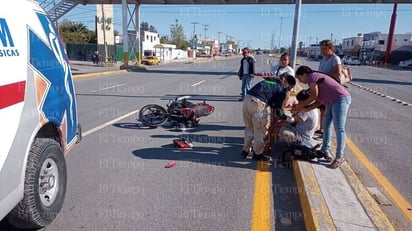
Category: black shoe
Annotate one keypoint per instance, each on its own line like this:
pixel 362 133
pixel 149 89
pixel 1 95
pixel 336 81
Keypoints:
pixel 244 154
pixel 325 156
pixel 319 132
pixel 262 157
pixel 241 99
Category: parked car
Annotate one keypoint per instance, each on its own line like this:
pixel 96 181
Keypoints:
pixel 353 61
pixel 151 60
pixel 406 63
pixel 345 60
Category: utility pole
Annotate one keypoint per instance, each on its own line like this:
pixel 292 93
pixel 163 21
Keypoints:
pixel 194 28
pixel 390 35
pixel 218 36
pixel 205 25
pixel 272 43
pixel 104 35
pixel 218 40
pixel 280 31
pixel 194 39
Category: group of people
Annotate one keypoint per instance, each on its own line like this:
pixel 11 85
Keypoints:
pixel 264 105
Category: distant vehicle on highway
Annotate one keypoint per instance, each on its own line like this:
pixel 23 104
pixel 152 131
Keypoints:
pixel 406 63
pixel 353 61
pixel 151 60
pixel 345 60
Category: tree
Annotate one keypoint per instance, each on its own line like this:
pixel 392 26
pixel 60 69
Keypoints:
pixel 76 32
pixel 177 35
pixel 164 39
pixel 144 26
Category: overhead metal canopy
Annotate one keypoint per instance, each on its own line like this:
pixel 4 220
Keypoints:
pixel 234 2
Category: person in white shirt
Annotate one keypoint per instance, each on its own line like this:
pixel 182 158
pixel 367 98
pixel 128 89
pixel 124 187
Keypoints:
pixel 283 66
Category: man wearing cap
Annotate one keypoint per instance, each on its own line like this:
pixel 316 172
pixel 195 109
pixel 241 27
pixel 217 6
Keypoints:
pixel 246 71
pixel 260 99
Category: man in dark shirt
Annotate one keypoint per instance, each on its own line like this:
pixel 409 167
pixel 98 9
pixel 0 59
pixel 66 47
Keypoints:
pixel 246 71
pixel 260 99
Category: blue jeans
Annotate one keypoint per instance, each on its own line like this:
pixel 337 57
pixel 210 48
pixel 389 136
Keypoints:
pixel 246 84
pixel 337 114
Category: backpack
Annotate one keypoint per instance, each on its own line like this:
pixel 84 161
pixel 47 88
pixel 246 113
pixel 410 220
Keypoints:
pixel 298 151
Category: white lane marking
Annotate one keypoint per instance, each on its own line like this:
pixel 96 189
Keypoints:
pixel 198 83
pixel 93 130
pixel 118 85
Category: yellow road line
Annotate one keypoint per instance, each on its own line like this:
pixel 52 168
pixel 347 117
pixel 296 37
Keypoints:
pixel 261 213
pixel 393 193
pixel 315 210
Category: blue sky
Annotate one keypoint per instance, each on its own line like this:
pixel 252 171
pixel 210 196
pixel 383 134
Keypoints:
pixel 258 25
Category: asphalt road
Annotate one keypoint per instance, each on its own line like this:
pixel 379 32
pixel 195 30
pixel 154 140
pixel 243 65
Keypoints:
pixel 117 174
pixel 117 179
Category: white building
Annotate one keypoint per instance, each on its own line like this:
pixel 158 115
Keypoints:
pixel 352 45
pixel 373 44
pixel 151 46
pixel 149 41
pixel 314 52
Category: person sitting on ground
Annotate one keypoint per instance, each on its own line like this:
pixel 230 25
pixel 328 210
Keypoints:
pixel 299 127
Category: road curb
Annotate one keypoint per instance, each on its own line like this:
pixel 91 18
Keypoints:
pixel 315 211
pixel 94 74
pixel 372 209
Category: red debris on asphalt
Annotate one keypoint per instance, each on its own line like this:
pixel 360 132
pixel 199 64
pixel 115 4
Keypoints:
pixel 170 164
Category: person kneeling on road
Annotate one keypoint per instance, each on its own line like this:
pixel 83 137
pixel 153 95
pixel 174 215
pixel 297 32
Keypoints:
pixel 267 94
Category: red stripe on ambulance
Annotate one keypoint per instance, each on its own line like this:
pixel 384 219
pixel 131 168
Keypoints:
pixel 12 94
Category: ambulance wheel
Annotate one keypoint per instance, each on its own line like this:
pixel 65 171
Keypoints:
pixel 44 186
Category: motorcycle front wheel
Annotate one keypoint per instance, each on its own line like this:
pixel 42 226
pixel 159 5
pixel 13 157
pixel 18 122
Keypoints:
pixel 153 115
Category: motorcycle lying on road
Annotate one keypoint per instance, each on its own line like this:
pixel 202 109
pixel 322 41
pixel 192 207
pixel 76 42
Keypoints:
pixel 179 111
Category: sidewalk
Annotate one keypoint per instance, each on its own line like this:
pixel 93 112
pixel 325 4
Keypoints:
pixel 335 199
pixel 331 199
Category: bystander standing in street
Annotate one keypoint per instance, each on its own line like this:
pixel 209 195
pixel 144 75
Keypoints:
pixel 246 71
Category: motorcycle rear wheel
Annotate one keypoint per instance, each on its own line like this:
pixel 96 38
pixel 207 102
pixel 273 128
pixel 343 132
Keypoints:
pixel 153 115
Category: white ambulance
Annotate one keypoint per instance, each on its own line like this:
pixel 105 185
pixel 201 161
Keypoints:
pixel 38 116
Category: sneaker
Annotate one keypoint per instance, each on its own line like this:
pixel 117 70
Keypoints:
pixel 241 99
pixel 244 154
pixel 327 156
pixel 319 133
pixel 262 157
